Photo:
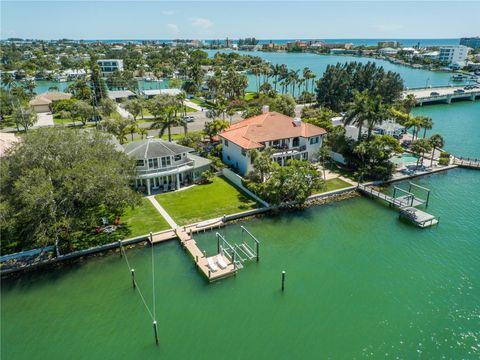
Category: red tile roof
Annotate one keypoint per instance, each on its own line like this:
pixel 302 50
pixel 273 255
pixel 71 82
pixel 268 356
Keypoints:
pixel 270 126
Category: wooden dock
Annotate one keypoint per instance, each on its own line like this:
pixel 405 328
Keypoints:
pixel 467 163
pixel 229 257
pixel 203 263
pixel 406 204
pixel 419 217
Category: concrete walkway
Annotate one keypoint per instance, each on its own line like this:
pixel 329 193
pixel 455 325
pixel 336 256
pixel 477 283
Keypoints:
pixel 193 105
pixel 162 212
pixel 124 113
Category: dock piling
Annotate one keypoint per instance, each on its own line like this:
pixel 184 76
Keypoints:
pixel 283 280
pixel 155 330
pixel 133 277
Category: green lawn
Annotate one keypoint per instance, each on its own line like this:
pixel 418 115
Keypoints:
pixel 334 184
pixel 203 202
pixel 143 219
pixel 202 103
pixel 249 96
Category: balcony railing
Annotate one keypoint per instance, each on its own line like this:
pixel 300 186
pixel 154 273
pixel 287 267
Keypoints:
pixel 165 169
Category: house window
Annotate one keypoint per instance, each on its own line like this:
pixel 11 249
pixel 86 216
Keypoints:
pixel 140 163
pixel 276 143
pixel 314 140
pixel 166 161
pixel 244 152
pixel 178 157
pixel 225 142
pixel 153 163
pixel 296 141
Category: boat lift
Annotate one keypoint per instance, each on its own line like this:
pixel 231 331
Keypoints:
pixel 239 253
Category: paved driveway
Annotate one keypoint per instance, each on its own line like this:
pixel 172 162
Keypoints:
pixel 44 119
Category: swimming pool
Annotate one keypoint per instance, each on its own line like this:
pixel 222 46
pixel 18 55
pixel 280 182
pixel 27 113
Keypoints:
pixel 404 158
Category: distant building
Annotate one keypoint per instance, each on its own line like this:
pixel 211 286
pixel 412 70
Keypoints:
pixel 108 66
pixel 453 55
pixel 154 92
pixel 471 42
pixel 388 51
pixel 289 137
pixel 385 44
pixel 42 103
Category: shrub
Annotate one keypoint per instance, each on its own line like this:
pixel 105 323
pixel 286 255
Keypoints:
pixel 206 177
pixel 63 105
pixel 444 161
pixel 444 154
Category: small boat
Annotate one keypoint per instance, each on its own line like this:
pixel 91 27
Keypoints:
pixel 459 77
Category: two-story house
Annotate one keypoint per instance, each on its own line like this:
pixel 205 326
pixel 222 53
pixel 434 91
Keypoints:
pixel 289 137
pixel 108 66
pixel 164 166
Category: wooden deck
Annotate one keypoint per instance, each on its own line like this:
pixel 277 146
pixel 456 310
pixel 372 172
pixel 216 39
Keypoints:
pixel 418 217
pixel 404 203
pixel 201 261
pixel 467 163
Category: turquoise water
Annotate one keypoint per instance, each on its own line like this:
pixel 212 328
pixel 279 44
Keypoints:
pixel 318 64
pixel 360 284
pixel 44 85
pixel 459 123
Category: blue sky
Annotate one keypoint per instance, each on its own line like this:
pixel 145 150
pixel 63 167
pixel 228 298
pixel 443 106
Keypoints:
pixel 261 19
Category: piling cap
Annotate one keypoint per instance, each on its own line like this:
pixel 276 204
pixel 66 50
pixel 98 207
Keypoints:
pixel 283 272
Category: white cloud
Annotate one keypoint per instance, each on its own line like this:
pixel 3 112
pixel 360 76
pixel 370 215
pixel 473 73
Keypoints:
pixel 173 28
pixel 202 23
pixel 168 12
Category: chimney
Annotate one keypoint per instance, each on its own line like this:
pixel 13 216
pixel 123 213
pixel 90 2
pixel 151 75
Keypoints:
pixel 265 109
pixel 297 121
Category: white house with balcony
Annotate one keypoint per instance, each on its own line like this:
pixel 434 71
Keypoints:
pixel 454 55
pixel 289 137
pixel 164 166
pixel 108 66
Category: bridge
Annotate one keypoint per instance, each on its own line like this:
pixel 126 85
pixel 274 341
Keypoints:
pixel 442 94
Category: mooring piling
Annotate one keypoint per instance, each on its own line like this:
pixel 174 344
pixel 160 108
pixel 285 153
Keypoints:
pixel 155 330
pixel 283 280
pixel 133 278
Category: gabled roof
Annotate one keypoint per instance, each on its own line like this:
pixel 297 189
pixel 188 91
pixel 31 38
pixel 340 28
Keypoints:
pixel 154 148
pixel 270 126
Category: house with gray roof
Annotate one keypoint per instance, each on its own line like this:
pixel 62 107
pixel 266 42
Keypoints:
pixel 164 166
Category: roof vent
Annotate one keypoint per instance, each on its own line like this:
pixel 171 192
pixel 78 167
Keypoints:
pixel 265 109
pixel 297 121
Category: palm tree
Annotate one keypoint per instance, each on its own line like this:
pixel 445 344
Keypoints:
pixel 132 129
pixel 416 123
pixel 427 124
pixel 143 132
pixel 358 112
pixel 409 103
pixel 8 80
pixel 437 142
pixel 166 121
pixel 30 86
pixel 420 147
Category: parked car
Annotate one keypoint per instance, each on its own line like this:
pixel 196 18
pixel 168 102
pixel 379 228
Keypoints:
pixel 434 93
pixel 459 91
pixel 189 119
